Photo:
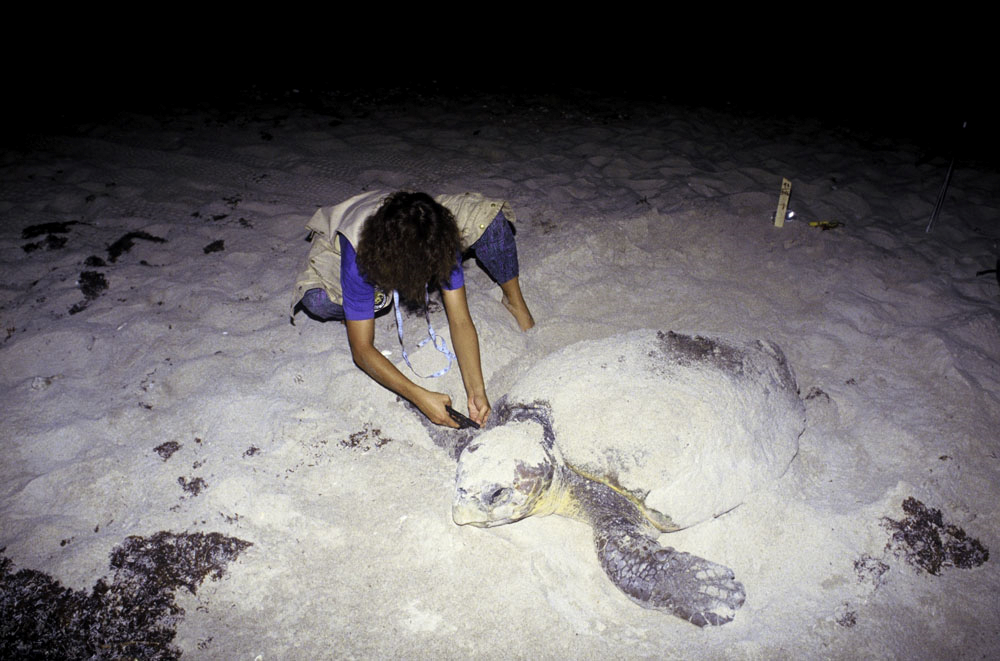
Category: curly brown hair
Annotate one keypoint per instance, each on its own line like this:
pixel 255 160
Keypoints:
pixel 409 243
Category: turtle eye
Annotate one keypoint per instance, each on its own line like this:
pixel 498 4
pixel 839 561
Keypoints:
pixel 498 497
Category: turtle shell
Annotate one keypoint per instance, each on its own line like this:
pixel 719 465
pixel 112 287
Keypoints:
pixel 685 426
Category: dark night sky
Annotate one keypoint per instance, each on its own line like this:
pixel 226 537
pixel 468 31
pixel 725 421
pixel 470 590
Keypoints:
pixel 916 85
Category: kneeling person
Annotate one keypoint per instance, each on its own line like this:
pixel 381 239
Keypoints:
pixel 376 243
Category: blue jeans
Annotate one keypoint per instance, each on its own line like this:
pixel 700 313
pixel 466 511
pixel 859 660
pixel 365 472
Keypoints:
pixel 318 304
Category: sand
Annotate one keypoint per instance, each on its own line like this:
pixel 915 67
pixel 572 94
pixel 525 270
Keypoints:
pixel 655 217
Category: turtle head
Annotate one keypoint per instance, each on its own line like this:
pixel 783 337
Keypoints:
pixel 504 475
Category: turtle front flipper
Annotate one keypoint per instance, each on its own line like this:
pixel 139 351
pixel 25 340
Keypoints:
pixel 692 588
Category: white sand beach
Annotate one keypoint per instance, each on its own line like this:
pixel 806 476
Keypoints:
pixel 647 214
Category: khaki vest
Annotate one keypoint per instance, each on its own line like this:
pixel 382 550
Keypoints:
pixel 472 212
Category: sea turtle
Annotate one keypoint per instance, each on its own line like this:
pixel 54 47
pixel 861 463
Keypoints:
pixel 639 434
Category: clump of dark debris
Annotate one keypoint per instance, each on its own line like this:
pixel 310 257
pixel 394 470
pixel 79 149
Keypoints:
pixel 32 231
pixel 366 438
pixel 215 246
pixel 125 243
pixel 871 570
pixel 167 450
pixel 50 242
pixel 92 284
pixel 134 616
pixel 172 560
pixel 925 541
pixel 50 230
pixel 847 618
pixel 193 486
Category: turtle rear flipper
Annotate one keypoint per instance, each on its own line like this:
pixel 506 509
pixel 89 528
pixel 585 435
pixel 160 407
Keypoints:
pixel 692 588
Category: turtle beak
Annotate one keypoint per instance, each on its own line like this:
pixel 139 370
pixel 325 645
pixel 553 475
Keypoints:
pixel 491 509
pixel 468 514
pixel 466 510
pixel 463 514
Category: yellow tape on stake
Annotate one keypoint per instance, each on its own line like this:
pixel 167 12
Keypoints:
pixel 786 190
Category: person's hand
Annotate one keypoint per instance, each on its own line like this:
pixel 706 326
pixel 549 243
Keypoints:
pixel 479 408
pixel 432 404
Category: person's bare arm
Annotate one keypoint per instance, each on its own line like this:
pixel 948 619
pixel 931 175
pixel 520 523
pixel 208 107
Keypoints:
pixel 466 341
pixel 361 336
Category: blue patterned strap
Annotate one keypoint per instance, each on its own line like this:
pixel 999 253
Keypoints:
pixel 439 342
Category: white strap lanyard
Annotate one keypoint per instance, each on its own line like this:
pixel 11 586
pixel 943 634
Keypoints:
pixel 439 342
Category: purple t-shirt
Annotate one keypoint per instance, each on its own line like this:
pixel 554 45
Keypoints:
pixel 359 294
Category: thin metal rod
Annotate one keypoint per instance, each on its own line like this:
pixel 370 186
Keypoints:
pixel 943 193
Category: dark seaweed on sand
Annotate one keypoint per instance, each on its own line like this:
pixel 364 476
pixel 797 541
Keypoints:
pixel 193 486
pixel 215 246
pixel 134 616
pixel 125 243
pixel 167 449
pixel 365 439
pixel 925 541
pixel 92 284
pixel 32 231
pixel 51 242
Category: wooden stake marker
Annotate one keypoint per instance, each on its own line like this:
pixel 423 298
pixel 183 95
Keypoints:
pixel 786 190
